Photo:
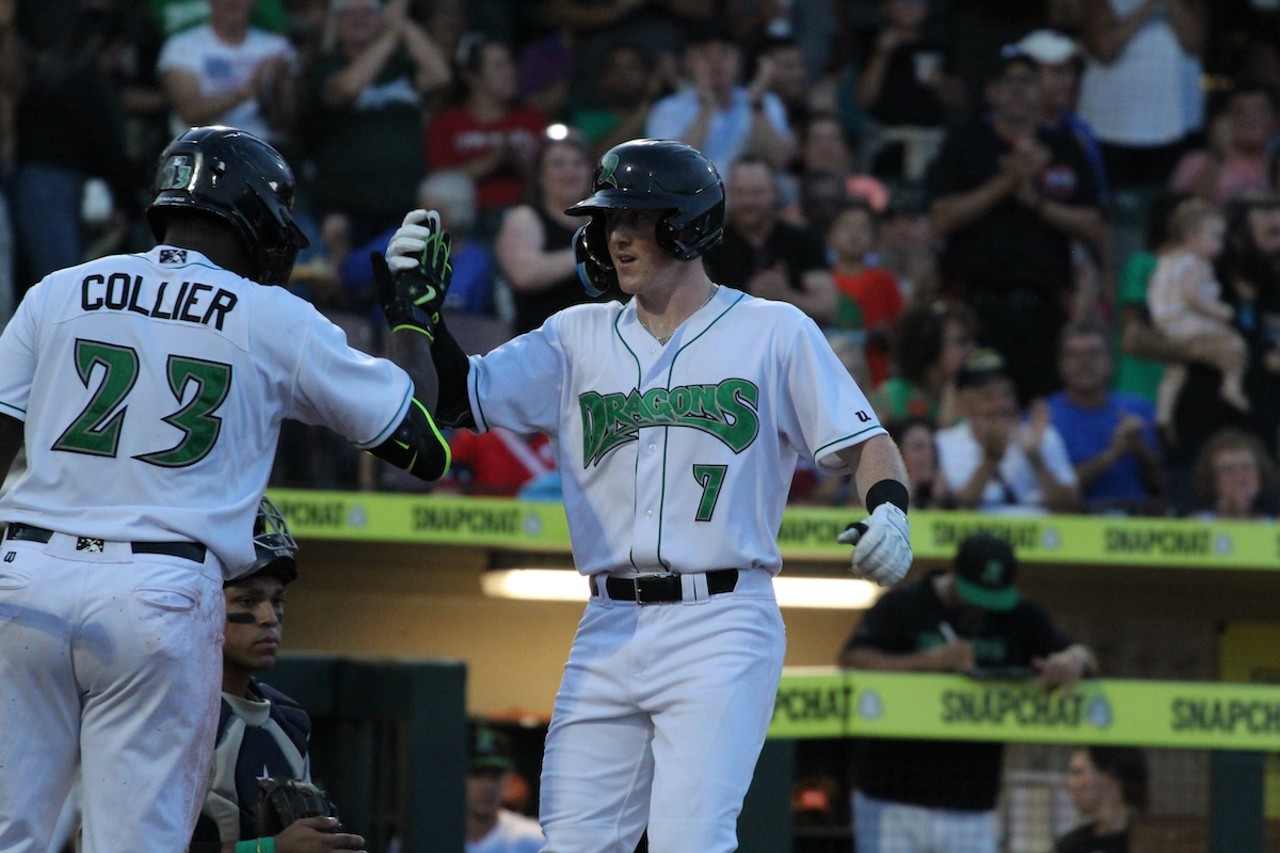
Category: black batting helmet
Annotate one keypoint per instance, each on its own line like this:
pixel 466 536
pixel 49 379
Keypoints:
pixel 275 549
pixel 651 174
pixel 237 177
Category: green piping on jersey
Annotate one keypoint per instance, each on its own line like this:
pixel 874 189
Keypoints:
pixel 475 388
pixel 631 554
pixel 666 430
pixel 390 428
pixel 821 450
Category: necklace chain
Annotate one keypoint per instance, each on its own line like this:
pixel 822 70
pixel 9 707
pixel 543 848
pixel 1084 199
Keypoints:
pixel 663 340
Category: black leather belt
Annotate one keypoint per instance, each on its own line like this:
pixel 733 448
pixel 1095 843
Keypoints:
pixel 184 550
pixel 661 589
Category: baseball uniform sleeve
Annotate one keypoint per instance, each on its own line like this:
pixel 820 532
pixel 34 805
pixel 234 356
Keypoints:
pixel 18 355
pixel 520 384
pixel 826 411
pixel 361 397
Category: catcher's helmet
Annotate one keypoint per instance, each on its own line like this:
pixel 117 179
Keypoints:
pixel 274 547
pixel 237 177
pixel 650 174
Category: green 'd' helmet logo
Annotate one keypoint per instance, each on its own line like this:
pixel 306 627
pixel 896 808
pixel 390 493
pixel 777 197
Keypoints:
pixel 605 173
pixel 176 173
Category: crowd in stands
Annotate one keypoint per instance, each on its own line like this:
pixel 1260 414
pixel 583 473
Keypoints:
pixel 1044 236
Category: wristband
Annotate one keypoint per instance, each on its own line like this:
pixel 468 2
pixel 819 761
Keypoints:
pixel 888 491
pixel 267 845
pixel 250 846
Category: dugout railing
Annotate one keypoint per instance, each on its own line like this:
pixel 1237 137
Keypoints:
pixel 1208 747
pixel 1160 600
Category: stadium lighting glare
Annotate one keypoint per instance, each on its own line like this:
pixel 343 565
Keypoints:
pixel 538 584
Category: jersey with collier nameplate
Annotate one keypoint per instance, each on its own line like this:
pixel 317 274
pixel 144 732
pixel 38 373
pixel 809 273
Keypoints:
pixel 131 366
pixel 649 437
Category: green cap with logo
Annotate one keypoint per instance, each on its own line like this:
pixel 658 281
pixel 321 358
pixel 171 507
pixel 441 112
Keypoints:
pixel 488 749
pixel 984 572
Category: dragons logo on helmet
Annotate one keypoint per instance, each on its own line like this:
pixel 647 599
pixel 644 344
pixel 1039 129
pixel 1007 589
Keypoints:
pixel 608 165
pixel 650 174
pixel 235 176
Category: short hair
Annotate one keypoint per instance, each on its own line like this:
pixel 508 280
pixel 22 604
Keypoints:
pixel 1187 216
pixel 852 204
pixel 1082 328
pixel 918 334
pixel 628 46
pixel 572 139
pixel 1252 87
pixel 1156 227
pixel 1128 766
pixel 458 188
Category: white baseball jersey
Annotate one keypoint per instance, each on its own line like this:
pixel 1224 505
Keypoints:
pixel 649 437
pixel 152 388
pixel 514 833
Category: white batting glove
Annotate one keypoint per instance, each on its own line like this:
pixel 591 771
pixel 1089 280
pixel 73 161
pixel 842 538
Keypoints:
pixel 404 252
pixel 881 545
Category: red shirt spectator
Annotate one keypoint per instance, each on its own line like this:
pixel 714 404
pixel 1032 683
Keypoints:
pixel 880 302
pixel 490 136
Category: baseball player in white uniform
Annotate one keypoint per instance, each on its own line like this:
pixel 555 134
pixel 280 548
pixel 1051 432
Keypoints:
pixel 148 391
pixel 678 419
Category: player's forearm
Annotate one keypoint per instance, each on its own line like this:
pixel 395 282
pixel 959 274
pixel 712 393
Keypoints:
pixel 874 460
pixel 411 350
pixel 452 369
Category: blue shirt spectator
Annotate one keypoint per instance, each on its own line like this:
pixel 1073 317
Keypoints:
pixel 453 194
pixel 1110 436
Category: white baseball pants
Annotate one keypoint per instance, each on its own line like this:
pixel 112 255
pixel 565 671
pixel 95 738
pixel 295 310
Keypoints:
pixel 110 661
pixel 660 717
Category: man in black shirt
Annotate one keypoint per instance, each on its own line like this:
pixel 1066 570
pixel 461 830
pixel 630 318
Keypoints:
pixel 765 256
pixel 939 796
pixel 1011 199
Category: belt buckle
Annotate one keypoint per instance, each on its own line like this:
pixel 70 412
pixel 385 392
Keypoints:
pixel 641 586
pixel 660 590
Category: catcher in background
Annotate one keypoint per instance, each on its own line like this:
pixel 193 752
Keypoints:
pixel 261 731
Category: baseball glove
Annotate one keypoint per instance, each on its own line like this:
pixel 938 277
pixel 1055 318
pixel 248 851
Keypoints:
pixel 283 801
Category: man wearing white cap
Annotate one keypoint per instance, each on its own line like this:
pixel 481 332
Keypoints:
pixel 1059 62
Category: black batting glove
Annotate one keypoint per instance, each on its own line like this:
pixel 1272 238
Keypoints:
pixel 414 276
